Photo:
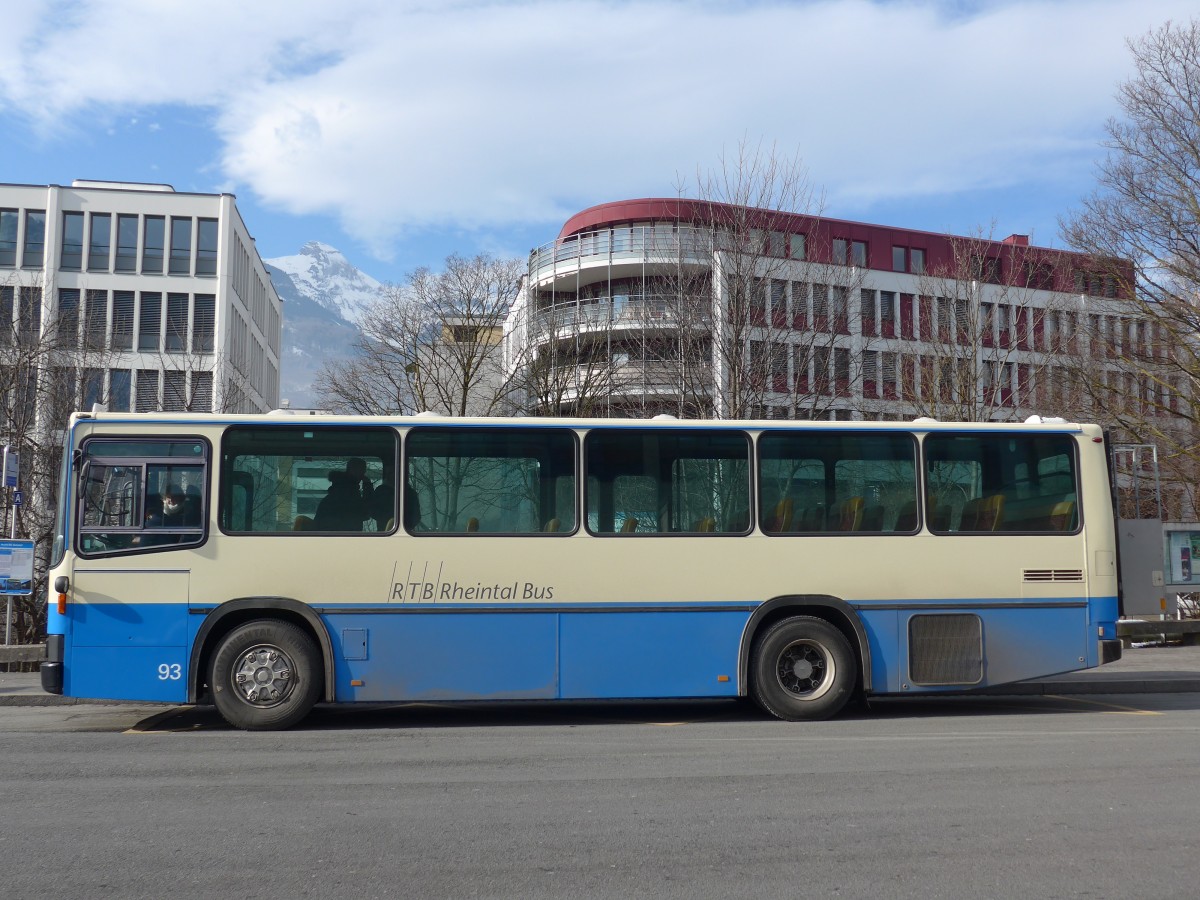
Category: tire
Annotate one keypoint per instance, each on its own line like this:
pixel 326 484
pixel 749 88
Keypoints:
pixel 802 668
pixel 265 675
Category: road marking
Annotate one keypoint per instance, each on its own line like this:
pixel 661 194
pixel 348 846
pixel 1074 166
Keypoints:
pixel 1113 709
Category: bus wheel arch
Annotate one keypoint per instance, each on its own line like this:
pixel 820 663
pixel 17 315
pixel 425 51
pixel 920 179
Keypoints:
pixel 234 613
pixel 832 610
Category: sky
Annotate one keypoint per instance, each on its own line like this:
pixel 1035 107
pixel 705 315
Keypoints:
pixel 401 131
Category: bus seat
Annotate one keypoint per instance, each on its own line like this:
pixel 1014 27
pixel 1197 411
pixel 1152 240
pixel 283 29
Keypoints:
pixel 705 525
pixel 810 519
pixel 302 523
pixel 983 513
pixel 1062 516
pixel 781 518
pixel 872 517
pixel 551 527
pixel 472 525
pixel 848 515
pixel 906 519
pixel 629 526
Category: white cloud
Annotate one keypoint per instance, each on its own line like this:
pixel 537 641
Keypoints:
pixel 398 117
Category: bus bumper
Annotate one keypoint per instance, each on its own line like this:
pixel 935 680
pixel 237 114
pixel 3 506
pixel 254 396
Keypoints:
pixel 52 665
pixel 1110 651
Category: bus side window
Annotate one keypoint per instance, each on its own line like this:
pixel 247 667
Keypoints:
pixel 822 482
pixel 301 480
pixel 667 481
pixel 1001 483
pixel 142 494
pixel 482 481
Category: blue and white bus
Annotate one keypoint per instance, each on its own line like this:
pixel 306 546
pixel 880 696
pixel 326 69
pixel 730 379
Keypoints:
pixel 267 563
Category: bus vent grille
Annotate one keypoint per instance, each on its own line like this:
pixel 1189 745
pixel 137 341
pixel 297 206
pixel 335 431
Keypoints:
pixel 945 649
pixel 1054 575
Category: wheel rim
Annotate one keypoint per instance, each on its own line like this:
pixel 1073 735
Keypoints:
pixel 264 676
pixel 805 669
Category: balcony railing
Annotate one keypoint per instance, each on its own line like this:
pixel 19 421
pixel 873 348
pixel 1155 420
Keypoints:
pixel 619 312
pixel 629 244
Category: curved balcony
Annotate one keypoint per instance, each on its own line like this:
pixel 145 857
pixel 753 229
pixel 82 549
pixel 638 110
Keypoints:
pixel 625 382
pixel 630 246
pixel 621 313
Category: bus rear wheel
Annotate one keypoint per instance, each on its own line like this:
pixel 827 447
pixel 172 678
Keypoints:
pixel 802 668
pixel 265 675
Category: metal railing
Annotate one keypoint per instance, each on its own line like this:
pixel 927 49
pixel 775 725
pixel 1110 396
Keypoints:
pixel 607 313
pixel 642 243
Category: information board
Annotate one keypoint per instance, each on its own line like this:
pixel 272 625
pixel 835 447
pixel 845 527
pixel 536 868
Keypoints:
pixel 16 568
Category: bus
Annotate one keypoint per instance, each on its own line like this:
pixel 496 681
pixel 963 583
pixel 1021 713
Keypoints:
pixel 267 563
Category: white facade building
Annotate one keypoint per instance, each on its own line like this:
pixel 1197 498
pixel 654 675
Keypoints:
pixel 839 320
pixel 161 293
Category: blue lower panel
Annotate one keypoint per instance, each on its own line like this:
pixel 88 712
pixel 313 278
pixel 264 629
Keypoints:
pixel 1018 643
pixel 650 654
pixel 128 624
pixel 127 673
pixel 447 656
pixel 473 655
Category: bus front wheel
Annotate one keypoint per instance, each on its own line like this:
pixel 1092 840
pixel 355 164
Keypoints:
pixel 265 675
pixel 803 668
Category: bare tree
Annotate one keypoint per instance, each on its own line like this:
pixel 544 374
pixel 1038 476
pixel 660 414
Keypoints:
pixel 769 327
pixel 1141 230
pixel 433 343
pixel 980 339
pixel 46 372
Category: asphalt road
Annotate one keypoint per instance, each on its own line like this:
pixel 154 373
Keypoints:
pixel 981 797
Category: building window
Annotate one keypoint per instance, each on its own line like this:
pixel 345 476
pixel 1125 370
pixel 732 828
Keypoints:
pixel 203 321
pixel 93 388
pixel 149 325
pixel 206 247
pixel 796 246
pixel 100 242
pixel 6 315
pixel 174 391
pixel 202 392
pixel 177 322
pixel 35 239
pixel 839 251
pixel 122 330
pixel 859 249
pixel 153 245
pixel 866 300
pixel 30 315
pixel 916 261
pixel 72 241
pixel 8 237
pixel 97 320
pixel 899 259
pixel 887 313
pixel 777 244
pixel 68 319
pixel 118 391
pixel 147 390
pixel 181 247
pixel 127 234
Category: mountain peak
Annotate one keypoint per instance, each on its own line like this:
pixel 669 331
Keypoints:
pixel 321 273
pixel 317 248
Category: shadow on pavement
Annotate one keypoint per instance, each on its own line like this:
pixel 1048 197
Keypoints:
pixel 404 716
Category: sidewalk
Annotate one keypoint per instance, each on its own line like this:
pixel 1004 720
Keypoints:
pixel 1141 670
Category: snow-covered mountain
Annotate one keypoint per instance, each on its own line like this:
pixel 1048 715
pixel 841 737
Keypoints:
pixel 323 298
pixel 324 275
